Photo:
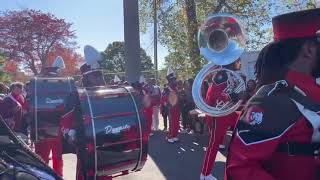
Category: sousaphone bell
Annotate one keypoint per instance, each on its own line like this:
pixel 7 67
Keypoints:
pixel 221 40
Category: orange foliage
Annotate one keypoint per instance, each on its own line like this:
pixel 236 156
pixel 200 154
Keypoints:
pixel 10 67
pixel 71 59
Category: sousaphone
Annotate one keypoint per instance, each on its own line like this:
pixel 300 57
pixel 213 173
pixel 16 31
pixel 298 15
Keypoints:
pixel 221 40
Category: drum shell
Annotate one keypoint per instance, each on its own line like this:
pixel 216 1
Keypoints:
pixel 113 130
pixel 46 97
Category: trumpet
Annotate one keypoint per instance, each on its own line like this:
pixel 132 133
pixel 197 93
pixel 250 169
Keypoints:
pixel 221 41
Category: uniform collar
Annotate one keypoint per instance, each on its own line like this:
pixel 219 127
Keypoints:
pixel 16 96
pixel 306 83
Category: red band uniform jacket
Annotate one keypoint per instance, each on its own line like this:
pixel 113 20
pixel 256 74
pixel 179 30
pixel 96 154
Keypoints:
pixel 272 120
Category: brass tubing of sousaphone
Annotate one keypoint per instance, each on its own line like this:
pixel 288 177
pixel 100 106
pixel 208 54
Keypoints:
pixel 221 41
pixel 197 92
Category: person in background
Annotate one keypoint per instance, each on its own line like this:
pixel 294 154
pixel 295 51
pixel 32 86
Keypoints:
pixel 182 104
pixel 3 90
pixel 155 101
pixel 144 90
pixel 170 98
pixel 248 93
pixel 12 106
pixel 250 90
pixel 164 111
pixel 188 105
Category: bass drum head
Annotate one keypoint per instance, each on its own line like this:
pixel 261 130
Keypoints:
pixel 46 97
pixel 113 128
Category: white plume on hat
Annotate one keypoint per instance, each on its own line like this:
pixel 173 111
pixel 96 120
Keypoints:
pixel 142 79
pixel 116 79
pixel 59 63
pixel 92 56
pixel 170 71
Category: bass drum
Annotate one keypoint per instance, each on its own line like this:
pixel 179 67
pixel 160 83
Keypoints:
pixel 46 97
pixel 113 131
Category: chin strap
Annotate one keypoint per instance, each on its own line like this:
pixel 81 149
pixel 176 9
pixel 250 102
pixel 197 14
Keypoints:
pixel 318 81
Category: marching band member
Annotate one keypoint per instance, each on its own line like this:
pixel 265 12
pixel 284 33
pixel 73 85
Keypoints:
pixel 218 126
pixel 278 135
pixel 164 109
pixel 155 101
pixel 68 124
pixel 45 146
pixel 144 91
pixel 170 99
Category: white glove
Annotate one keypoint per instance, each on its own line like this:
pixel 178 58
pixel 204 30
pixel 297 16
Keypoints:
pixel 209 177
pixel 72 136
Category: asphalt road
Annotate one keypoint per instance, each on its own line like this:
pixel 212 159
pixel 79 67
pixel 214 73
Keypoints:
pixel 180 161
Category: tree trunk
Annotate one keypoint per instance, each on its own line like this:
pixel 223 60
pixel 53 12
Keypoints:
pixel 43 65
pixel 192 30
pixel 32 64
pixel 33 67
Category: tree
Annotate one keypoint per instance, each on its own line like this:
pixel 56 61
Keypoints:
pixel 71 59
pixel 113 59
pixel 178 23
pixel 192 29
pixel 28 36
pixel 14 73
pixel 293 5
pixel 10 67
pixel 4 77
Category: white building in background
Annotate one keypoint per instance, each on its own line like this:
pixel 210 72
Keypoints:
pixel 248 61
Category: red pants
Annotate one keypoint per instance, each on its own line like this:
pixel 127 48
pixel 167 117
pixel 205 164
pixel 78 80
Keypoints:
pixel 43 149
pixel 174 116
pixel 217 132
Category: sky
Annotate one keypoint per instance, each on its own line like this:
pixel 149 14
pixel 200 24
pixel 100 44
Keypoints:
pixel 96 22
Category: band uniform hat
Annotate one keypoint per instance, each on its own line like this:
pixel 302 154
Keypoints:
pixel 95 74
pixel 59 63
pixel 170 74
pixel 85 68
pixel 50 71
pixel 299 24
pixel 92 57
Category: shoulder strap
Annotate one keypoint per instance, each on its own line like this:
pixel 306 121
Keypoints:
pixel 282 87
pixel 14 100
pixel 306 101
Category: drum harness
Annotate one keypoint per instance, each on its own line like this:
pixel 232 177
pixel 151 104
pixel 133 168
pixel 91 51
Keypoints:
pixel 298 97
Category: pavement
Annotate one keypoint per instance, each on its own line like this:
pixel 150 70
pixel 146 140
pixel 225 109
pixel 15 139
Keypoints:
pixel 179 161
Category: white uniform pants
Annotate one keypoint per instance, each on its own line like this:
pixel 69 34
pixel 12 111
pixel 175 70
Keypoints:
pixel 155 118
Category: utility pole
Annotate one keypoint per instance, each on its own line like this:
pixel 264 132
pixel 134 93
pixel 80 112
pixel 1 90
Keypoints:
pixel 131 40
pixel 155 38
pixel 317 3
